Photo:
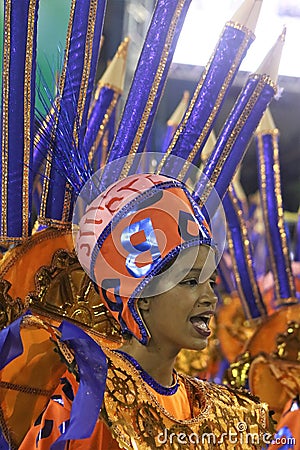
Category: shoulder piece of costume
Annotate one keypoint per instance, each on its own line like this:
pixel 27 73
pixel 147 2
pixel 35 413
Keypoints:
pixel 34 356
pixel 54 285
pixel 138 419
pixel 141 414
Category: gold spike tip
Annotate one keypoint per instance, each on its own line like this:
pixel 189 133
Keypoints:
pixel 123 48
pixel 101 41
pixel 266 124
pixel 271 62
pixel 179 112
pixel 114 76
pixel 290 216
pixel 283 34
pixel 248 13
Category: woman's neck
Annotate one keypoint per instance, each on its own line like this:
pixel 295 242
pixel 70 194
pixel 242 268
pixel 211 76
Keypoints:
pixel 153 360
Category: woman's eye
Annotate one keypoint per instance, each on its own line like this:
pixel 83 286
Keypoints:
pixel 189 282
pixel 213 284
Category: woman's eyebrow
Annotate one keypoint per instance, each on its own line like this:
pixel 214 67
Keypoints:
pixel 197 273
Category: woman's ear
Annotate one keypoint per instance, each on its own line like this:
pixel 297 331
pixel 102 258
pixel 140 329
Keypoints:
pixel 144 304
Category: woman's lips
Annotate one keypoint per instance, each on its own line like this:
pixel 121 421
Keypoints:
pixel 200 324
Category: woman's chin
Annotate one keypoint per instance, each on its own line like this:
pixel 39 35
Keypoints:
pixel 199 344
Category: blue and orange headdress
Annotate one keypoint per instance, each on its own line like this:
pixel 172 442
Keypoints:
pixel 129 233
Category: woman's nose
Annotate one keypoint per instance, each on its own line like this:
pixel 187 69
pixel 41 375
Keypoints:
pixel 207 295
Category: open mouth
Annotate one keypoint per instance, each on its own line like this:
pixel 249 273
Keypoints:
pixel 201 323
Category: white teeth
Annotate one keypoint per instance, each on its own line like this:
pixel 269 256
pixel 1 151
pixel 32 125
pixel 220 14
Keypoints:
pixel 200 324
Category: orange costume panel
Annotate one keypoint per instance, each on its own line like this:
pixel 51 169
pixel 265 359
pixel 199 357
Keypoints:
pixel 54 420
pixel 137 413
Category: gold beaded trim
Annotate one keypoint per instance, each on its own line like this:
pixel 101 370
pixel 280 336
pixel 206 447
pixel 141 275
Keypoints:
pixel 54 223
pixel 24 389
pixel 5 114
pixel 27 117
pixel 34 240
pixel 5 431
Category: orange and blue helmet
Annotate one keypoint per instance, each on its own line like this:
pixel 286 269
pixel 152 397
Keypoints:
pixel 129 233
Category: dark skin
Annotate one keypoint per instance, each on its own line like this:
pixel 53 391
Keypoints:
pixel 168 318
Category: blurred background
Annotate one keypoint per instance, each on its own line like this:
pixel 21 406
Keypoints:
pixel 199 36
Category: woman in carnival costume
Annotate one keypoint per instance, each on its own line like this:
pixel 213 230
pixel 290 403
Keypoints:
pixel 143 239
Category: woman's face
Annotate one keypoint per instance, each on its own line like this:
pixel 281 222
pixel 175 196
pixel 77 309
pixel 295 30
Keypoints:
pixel 179 318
